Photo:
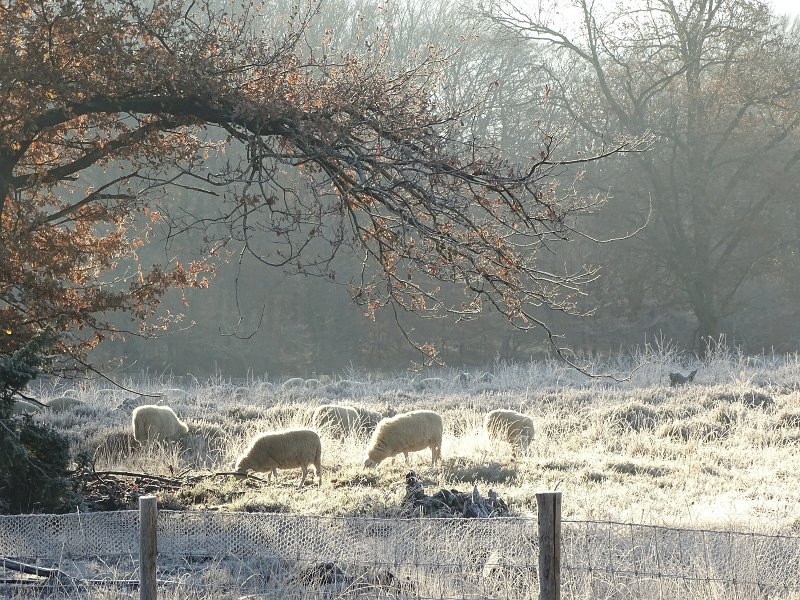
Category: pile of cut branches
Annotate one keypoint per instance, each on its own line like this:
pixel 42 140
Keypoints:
pixel 450 503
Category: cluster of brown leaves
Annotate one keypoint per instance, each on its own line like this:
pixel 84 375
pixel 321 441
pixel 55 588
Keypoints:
pixel 107 107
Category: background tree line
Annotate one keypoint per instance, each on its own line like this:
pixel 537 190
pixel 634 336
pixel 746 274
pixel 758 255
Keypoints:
pixel 716 83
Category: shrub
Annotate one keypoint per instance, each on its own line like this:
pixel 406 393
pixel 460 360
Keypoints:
pixel 34 458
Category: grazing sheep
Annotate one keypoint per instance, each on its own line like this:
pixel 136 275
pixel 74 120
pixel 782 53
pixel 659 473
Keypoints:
pixel 367 419
pixel 404 433
pixel 337 420
pixel 63 403
pixel 151 422
pixel 294 382
pixel 341 420
pixel 287 449
pixel 510 426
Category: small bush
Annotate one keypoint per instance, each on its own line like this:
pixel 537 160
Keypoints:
pixel 34 457
pixel 632 468
pixel 750 397
pixel 693 429
pixel 35 469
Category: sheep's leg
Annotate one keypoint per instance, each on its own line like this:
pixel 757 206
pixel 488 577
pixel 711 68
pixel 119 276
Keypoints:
pixel 406 455
pixel 304 470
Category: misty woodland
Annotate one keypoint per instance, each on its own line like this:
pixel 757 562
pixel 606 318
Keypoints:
pixel 404 260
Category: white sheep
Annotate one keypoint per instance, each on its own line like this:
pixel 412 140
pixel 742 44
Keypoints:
pixel 341 420
pixel 335 419
pixel 151 422
pixel 63 403
pixel 510 426
pixel 404 433
pixel 286 449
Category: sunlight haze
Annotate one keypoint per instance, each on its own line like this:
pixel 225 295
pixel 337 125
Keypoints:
pixel 789 7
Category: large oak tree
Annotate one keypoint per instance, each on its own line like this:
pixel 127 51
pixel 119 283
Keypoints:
pixel 107 107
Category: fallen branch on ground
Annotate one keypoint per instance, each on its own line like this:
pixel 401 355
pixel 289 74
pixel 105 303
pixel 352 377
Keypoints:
pixel 450 503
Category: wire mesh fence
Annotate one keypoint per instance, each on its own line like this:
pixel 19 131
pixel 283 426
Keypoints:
pixel 623 560
pixel 259 555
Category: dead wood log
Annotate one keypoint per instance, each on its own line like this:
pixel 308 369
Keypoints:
pixel 450 503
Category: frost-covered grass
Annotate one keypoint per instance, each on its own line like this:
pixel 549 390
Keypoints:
pixel 723 451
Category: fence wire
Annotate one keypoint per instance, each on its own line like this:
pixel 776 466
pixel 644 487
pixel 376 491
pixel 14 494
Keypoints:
pixel 258 555
pixel 622 560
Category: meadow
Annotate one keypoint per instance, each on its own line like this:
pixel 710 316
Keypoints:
pixel 720 452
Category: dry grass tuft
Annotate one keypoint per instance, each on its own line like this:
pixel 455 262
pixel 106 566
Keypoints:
pixel 632 415
pixel 693 429
pixel 788 418
pixel 635 469
pixel 462 470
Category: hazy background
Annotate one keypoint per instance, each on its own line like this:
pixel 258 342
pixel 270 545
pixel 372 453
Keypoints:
pixel 736 275
pixel 788 7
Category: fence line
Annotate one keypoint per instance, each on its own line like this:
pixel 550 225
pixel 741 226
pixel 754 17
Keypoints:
pixel 267 555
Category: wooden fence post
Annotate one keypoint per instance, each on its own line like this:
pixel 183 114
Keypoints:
pixel 148 527
pixel 549 517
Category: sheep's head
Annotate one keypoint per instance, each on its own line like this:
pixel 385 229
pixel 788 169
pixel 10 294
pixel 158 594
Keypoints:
pixel 242 465
pixel 369 463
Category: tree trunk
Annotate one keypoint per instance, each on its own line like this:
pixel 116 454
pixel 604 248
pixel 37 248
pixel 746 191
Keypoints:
pixel 703 306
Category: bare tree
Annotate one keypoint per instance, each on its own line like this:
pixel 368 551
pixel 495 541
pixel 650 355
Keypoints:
pixel 718 83
pixel 341 151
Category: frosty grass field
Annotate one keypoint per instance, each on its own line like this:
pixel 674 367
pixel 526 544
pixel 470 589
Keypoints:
pixel 721 452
